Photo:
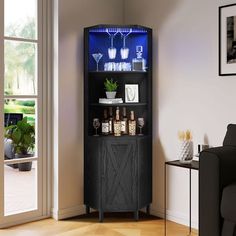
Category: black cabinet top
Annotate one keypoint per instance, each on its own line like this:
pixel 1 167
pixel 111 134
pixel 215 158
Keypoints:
pixel 102 28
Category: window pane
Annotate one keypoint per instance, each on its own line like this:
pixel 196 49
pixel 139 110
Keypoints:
pixel 20 187
pixel 20 68
pixel 19 106
pixel 21 18
pixel 20 180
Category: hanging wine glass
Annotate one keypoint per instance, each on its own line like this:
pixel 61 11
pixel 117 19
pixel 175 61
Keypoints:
pixel 97 57
pixel 124 51
pixel 112 49
pixel 96 125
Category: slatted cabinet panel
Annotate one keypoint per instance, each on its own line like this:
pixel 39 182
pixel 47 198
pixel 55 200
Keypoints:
pixel 120 175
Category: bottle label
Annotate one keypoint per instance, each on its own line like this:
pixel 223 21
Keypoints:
pixel 117 129
pixel 105 128
pixel 132 129
pixel 123 126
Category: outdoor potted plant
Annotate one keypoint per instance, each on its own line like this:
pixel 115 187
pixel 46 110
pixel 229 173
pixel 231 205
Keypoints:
pixel 110 88
pixel 23 141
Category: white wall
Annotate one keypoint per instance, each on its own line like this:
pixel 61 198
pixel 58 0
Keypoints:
pixel 188 93
pixel 73 16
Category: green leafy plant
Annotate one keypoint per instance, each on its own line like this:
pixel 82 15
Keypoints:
pixel 22 135
pixel 110 86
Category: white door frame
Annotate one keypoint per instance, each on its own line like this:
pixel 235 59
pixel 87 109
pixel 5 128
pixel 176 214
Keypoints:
pixel 43 111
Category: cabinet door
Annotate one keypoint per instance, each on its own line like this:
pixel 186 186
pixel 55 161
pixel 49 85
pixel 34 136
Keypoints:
pixel 119 185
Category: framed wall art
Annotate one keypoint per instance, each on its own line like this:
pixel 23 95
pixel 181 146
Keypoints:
pixel 131 93
pixel 227 40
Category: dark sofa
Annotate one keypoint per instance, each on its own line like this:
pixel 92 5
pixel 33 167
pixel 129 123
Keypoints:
pixel 217 188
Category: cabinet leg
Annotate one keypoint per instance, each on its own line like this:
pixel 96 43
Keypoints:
pixel 148 209
pixel 101 216
pixel 136 215
pixel 87 209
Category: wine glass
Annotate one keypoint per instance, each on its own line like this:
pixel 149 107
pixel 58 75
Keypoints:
pixel 96 125
pixel 140 125
pixel 124 51
pixel 112 49
pixel 97 57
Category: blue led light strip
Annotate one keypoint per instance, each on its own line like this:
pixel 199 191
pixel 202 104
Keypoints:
pixel 114 30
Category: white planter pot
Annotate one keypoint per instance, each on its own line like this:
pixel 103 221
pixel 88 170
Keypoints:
pixel 111 95
pixel 186 151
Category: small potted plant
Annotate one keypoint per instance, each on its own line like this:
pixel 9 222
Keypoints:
pixel 110 88
pixel 23 141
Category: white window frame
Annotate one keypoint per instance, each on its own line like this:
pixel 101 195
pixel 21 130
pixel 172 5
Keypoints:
pixel 44 105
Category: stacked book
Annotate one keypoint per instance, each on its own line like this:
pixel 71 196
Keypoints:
pixel 110 100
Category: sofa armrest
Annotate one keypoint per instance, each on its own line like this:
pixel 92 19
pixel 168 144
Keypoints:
pixel 216 170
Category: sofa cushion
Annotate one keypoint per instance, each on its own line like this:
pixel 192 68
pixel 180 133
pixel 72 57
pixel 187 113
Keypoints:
pixel 228 206
pixel 230 137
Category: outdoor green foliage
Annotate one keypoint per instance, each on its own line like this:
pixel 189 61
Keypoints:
pixel 27 103
pixel 22 135
pixel 110 86
pixel 20 57
pixel 26 107
pixel 20 63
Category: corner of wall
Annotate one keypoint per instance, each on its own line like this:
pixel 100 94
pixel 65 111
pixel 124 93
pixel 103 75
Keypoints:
pixel 67 212
pixel 123 12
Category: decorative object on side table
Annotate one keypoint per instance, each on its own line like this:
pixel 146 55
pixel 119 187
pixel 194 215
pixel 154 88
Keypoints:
pixel 185 146
pixel 131 93
pixel 23 141
pixel 200 148
pixel 110 88
pixel 227 42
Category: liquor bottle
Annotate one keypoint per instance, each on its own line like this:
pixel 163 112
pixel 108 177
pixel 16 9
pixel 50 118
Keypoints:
pixel 132 124
pixel 117 123
pixel 110 121
pixel 105 123
pixel 124 122
pixel 139 63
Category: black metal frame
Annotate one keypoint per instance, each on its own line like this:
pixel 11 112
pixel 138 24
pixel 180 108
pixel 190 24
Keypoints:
pixel 194 165
pixel 220 31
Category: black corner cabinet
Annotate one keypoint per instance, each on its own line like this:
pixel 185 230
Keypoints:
pixel 117 170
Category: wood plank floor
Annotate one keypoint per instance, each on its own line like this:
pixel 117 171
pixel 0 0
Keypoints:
pixel 113 225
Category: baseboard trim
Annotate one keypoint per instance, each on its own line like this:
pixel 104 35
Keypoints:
pixel 68 212
pixel 175 216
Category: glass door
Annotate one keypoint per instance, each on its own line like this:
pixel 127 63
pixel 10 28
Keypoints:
pixel 22 131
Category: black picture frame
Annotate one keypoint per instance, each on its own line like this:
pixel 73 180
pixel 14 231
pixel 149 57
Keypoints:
pixel 227 40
